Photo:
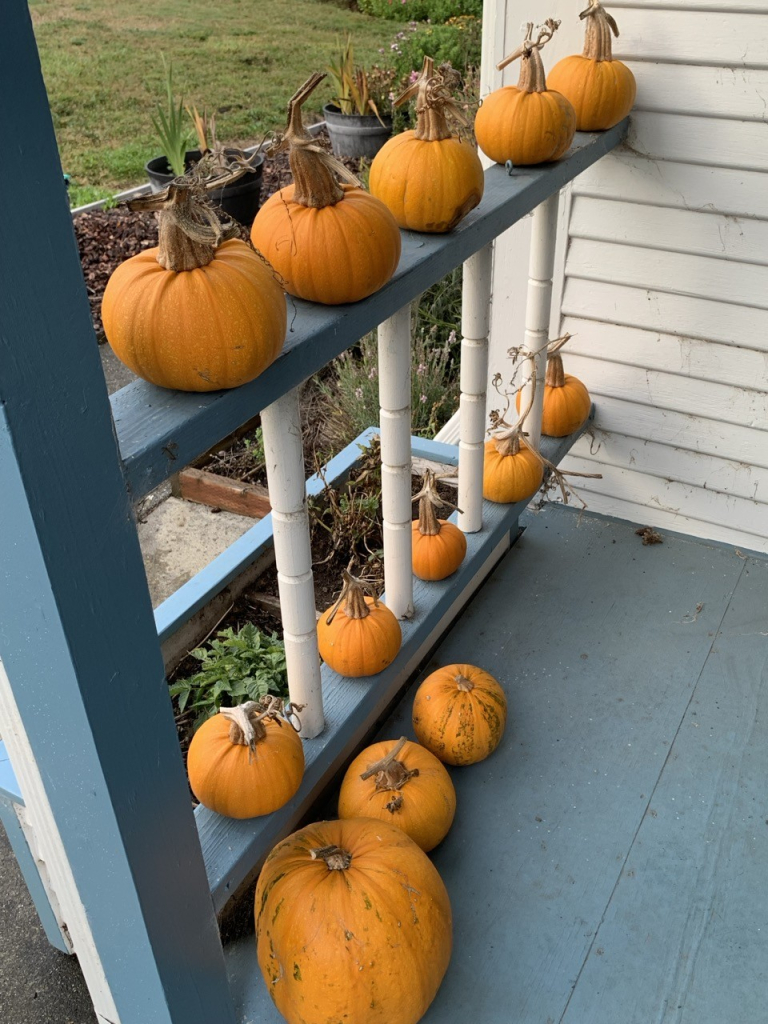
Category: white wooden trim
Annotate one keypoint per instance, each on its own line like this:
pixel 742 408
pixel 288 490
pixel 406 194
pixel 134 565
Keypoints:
pixel 738 93
pixel 717 37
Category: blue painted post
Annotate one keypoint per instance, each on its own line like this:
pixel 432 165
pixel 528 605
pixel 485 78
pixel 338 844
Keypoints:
pixel 85 707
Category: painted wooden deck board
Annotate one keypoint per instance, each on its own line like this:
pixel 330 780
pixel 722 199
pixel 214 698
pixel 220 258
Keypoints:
pixel 600 645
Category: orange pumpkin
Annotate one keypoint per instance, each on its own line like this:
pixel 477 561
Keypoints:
pixel 329 243
pixel 567 404
pixel 459 713
pixel 429 178
pixel 438 547
pixel 526 124
pixel 200 312
pixel 403 784
pixel 601 89
pixel 353 923
pixel 511 471
pixel 246 761
pixel 358 636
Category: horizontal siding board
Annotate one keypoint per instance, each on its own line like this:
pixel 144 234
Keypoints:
pixel 716 142
pixel 686 357
pixel 734 6
pixel 693 37
pixel 744 284
pixel 739 92
pixel 629 176
pixel 672 314
pixel 686 231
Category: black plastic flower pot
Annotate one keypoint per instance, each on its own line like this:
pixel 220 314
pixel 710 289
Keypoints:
pixel 240 200
pixel 356 135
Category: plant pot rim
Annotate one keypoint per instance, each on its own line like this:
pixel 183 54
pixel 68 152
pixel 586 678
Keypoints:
pixel 331 108
pixel 195 154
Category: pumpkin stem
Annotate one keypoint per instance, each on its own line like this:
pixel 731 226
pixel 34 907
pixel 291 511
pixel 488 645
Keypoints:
pixel 314 171
pixel 352 596
pixel 598 44
pixel 429 500
pixel 533 78
pixel 464 684
pixel 508 441
pixel 555 373
pixel 335 858
pixel 391 774
pixel 434 102
pixel 247 720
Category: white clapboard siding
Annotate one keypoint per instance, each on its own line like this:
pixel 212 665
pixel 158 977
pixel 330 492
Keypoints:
pixel 734 6
pixel 692 37
pixel 738 93
pixel 743 284
pixel 635 179
pixel 685 357
pixel 654 227
pixel 713 141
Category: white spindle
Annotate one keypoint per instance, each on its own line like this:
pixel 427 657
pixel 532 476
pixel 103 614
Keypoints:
pixel 475 324
pixel 281 426
pixel 538 307
pixel 395 402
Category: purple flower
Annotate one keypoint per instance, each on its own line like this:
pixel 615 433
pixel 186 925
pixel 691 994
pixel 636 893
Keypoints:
pixel 423 399
pixel 452 337
pixel 413 77
pixel 421 369
pixel 359 394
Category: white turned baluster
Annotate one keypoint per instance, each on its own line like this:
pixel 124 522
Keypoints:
pixel 475 322
pixel 281 426
pixel 395 402
pixel 538 309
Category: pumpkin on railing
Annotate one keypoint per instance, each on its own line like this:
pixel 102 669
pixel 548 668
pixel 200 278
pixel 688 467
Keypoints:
pixel 512 470
pixel 439 547
pixel 358 636
pixel 566 404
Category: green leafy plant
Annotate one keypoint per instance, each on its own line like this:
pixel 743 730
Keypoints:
pixel 358 91
pixel 458 42
pixel 171 126
pixel 236 666
pixel 436 11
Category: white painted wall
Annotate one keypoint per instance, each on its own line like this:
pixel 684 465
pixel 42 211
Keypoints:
pixel 663 271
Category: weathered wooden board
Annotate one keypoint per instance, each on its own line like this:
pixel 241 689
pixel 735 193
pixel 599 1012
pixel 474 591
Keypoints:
pixel 220 492
pixel 737 92
pixel 718 37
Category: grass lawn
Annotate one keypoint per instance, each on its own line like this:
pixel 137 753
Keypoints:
pixel 242 58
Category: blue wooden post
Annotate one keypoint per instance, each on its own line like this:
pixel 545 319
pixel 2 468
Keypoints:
pixel 77 635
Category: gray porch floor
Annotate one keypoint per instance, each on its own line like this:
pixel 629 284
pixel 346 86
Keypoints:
pixel 608 863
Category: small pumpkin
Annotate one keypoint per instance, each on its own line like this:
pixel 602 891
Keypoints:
pixel 526 124
pixel 404 784
pixel 567 404
pixel 200 312
pixel 459 713
pixel 601 89
pixel 359 636
pixel 330 243
pixel 246 761
pixel 353 923
pixel 512 469
pixel 429 178
pixel 438 546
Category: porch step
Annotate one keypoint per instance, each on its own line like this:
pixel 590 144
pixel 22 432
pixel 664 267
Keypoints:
pixel 607 863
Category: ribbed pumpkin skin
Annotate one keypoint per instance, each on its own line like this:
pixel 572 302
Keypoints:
pixel 459 727
pixel 428 799
pixel 369 945
pixel 565 409
pixel 524 127
pixel 336 254
pixel 223 780
pixel 602 92
pixel 440 555
pixel 218 326
pixel 427 186
pixel 510 478
pixel 359 647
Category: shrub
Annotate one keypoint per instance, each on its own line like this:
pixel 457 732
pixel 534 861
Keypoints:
pixel 436 11
pixel 459 42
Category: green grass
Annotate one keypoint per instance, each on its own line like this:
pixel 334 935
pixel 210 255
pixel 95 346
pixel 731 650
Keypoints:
pixel 241 58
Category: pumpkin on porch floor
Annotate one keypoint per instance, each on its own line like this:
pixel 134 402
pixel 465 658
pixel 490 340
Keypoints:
pixel 359 636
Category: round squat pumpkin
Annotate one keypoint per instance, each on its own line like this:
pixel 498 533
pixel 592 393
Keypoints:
pixel 512 471
pixel 438 547
pixel 246 761
pixel 459 713
pixel 404 784
pixel 602 90
pixel 567 403
pixel 429 178
pixel 353 923
pixel 329 243
pixel 359 636
pixel 200 312
pixel 527 124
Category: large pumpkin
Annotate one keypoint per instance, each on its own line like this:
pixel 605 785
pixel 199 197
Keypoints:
pixel 246 761
pixel 526 124
pixel 358 636
pixel 601 89
pixel 438 547
pixel 200 312
pixel 459 713
pixel 329 243
pixel 567 404
pixel 429 178
pixel 404 784
pixel 353 924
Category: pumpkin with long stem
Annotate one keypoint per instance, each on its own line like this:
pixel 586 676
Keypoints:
pixel 404 784
pixel 512 469
pixel 527 124
pixel 247 760
pixel 359 636
pixel 601 89
pixel 430 177
pixel 329 243
pixel 200 312
pixel 567 404
pixel 438 546
pixel 353 923
pixel 459 713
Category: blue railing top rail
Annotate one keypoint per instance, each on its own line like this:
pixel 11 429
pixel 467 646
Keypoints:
pixel 160 431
